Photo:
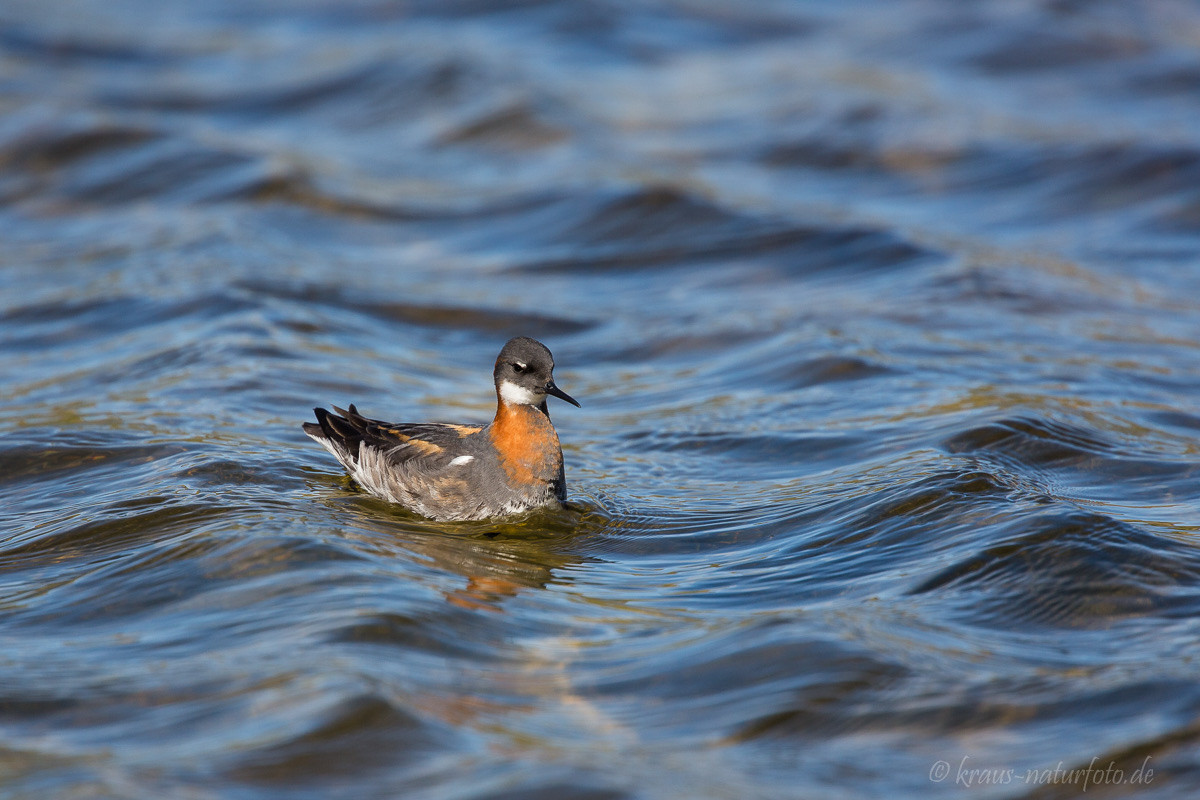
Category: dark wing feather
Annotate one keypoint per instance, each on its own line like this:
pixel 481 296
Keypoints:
pixel 334 428
pixel 400 441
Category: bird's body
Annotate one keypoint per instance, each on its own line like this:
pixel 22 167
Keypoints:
pixel 462 472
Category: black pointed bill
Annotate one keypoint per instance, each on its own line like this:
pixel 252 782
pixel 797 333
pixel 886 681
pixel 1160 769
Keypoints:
pixel 551 389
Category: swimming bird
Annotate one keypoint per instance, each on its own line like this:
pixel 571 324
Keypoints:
pixel 462 472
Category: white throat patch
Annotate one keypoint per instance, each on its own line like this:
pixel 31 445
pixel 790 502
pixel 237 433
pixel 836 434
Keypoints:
pixel 518 395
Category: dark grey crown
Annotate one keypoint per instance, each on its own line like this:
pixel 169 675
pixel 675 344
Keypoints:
pixel 525 362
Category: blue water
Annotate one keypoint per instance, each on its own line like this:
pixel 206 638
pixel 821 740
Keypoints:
pixel 885 318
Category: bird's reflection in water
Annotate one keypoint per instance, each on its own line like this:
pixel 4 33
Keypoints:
pixel 496 560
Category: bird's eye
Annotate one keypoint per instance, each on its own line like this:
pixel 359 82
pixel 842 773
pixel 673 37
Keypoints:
pixel 518 366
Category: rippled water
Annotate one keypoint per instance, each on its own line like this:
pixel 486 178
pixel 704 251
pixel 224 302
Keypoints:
pixel 885 317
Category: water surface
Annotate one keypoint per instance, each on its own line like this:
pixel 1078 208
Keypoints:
pixel 884 320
